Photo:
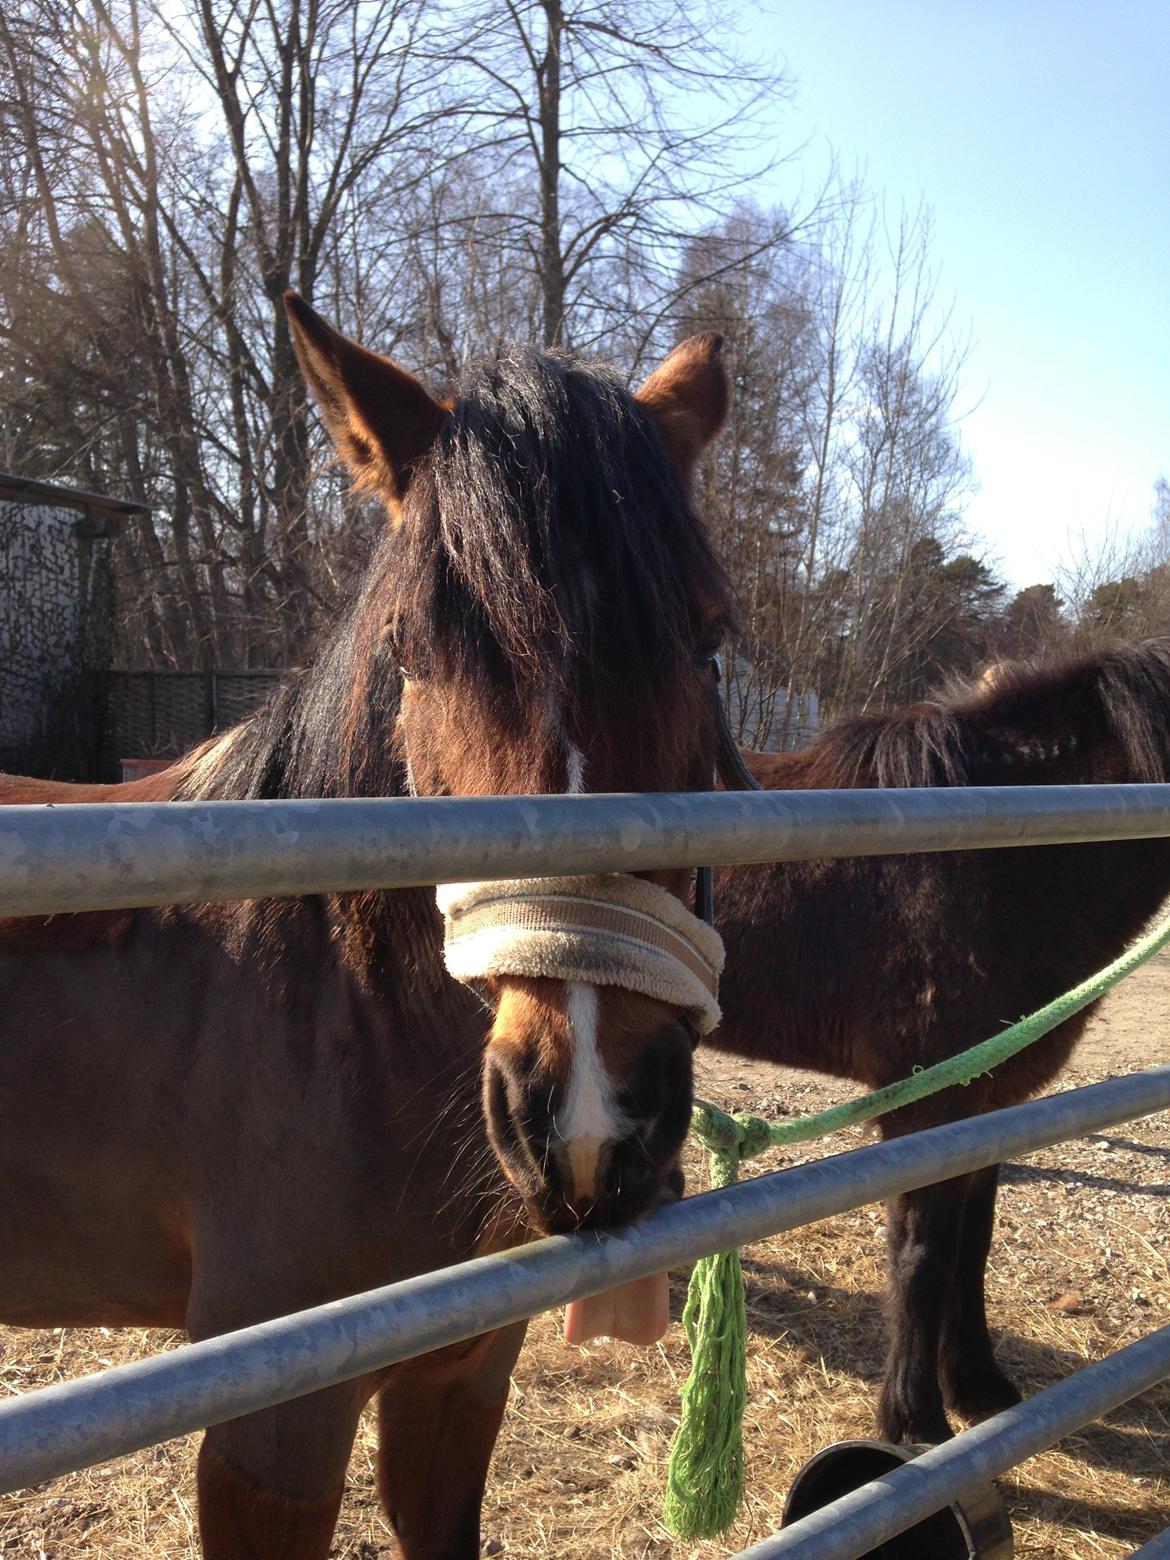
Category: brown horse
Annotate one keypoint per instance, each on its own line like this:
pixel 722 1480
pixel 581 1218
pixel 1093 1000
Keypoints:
pixel 215 1114
pixel 867 968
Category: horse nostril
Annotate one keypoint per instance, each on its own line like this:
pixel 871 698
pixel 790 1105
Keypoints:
pixel 512 1131
pixel 496 1106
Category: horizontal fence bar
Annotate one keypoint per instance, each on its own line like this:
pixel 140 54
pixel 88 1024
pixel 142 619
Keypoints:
pixel 105 856
pixel 74 1424
pixel 860 1522
pixel 1158 1548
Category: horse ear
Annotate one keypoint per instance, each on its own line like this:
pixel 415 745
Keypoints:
pixel 379 416
pixel 688 397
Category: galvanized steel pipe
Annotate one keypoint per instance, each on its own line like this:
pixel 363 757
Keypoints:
pixel 1158 1548
pixel 866 1518
pixel 77 1423
pixel 104 856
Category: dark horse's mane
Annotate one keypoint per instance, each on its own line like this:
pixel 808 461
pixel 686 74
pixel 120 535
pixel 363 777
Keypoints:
pixel 547 543
pixel 1017 715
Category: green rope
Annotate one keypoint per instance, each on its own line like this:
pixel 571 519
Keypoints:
pixel 705 1479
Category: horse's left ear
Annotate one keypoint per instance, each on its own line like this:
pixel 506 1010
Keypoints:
pixel 688 397
pixel 379 416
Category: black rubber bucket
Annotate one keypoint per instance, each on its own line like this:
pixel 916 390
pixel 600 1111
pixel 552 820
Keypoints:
pixel 977 1528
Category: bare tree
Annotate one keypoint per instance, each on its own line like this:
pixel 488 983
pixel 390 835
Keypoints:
pixel 91 271
pixel 1033 624
pixel 1117 583
pixel 180 168
pixel 444 183
pixel 599 113
pixel 837 490
pixel 323 119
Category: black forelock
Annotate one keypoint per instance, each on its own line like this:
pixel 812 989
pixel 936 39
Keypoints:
pixel 547 529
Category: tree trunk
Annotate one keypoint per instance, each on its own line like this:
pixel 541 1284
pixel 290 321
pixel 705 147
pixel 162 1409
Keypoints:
pixel 552 260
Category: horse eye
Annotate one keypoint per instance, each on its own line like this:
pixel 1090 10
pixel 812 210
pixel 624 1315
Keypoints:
pixel 709 646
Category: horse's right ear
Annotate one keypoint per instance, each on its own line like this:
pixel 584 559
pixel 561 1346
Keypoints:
pixel 688 396
pixel 379 416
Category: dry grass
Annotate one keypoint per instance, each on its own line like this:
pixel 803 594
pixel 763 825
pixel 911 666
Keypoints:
pixel 580 1464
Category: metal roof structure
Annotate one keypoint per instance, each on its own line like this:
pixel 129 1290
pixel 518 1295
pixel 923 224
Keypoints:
pixel 30 490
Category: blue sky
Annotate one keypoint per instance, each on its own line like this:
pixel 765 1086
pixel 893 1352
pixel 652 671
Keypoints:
pixel 1038 131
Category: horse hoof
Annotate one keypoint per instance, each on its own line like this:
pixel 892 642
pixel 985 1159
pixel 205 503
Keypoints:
pixel 977 1400
pixel 905 1425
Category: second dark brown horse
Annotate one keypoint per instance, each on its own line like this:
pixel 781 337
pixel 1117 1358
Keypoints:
pixel 869 967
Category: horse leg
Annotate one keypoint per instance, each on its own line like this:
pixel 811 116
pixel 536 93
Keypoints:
pixel 972 1382
pixel 923 1242
pixel 270 1484
pixel 439 1416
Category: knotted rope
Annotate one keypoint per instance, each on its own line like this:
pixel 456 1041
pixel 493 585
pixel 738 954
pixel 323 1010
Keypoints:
pixel 705 1479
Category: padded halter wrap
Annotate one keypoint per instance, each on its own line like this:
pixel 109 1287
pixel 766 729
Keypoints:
pixel 609 929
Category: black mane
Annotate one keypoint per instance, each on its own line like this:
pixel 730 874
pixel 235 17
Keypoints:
pixel 547 545
pixel 1069 717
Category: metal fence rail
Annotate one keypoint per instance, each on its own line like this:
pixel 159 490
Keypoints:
pixel 1157 1549
pixel 104 856
pixel 858 1523
pixel 69 1426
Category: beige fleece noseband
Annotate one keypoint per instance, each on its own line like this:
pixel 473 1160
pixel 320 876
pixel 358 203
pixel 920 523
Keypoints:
pixel 608 930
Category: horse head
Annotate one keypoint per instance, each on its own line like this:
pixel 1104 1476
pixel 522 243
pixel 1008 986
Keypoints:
pixel 552 604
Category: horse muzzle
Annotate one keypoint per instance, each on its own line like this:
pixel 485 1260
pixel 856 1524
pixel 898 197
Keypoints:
pixel 578 1180
pixel 601 984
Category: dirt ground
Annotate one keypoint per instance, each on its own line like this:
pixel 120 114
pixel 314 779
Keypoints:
pixel 1079 1269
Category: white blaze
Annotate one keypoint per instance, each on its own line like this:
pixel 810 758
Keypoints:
pixel 590 1118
